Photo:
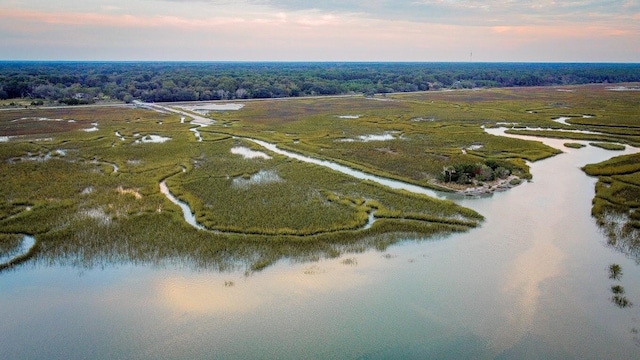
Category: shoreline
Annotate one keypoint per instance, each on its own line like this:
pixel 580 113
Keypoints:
pixel 484 189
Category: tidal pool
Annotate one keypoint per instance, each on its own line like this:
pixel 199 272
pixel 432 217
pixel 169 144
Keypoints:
pixel 531 282
pixel 155 139
pixel 197 134
pixel 562 120
pixel 248 153
pixel 207 108
pixel 368 138
pixel 93 128
pixel 261 177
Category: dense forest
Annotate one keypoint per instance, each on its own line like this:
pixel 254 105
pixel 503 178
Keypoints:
pixel 87 82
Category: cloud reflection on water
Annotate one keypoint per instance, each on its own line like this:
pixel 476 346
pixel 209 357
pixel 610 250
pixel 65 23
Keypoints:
pixel 217 294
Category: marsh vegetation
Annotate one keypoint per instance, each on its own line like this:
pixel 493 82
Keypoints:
pixel 521 282
pixel 617 200
pixel 94 196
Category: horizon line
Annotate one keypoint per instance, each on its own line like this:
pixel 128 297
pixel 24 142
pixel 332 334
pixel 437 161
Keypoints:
pixel 314 61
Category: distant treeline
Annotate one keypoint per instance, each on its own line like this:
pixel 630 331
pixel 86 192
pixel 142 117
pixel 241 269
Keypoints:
pixel 86 82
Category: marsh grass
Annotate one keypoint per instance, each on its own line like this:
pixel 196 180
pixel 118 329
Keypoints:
pixel 617 200
pixel 617 289
pixel 350 261
pixel 621 301
pixel 608 146
pixel 416 155
pixel 310 213
pixel 615 272
pixel 306 199
pixel 9 244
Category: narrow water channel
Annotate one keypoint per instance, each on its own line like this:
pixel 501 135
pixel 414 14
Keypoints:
pixel 189 216
pixel 394 184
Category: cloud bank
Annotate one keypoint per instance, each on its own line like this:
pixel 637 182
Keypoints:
pixel 352 30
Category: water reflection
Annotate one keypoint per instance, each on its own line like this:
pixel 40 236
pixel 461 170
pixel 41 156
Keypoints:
pixel 618 291
pixel 200 294
pixel 621 301
pixel 19 253
pixel 545 262
pixel 618 226
pixel 226 294
pixel 524 279
pixel 621 232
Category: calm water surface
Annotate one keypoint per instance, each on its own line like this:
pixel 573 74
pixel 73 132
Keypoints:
pixel 532 282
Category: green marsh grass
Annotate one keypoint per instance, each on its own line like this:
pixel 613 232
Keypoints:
pixel 615 271
pixel 306 200
pixel 608 146
pixel 9 242
pixel 616 202
pixel 84 212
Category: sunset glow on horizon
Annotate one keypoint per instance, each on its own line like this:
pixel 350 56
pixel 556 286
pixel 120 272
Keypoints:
pixel 352 30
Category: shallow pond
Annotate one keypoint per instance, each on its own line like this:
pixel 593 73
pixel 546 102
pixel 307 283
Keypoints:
pixel 156 139
pixel 248 153
pixel 369 138
pixel 93 128
pixel 531 282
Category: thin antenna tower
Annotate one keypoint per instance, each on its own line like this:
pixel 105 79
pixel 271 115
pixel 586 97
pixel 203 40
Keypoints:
pixel 471 57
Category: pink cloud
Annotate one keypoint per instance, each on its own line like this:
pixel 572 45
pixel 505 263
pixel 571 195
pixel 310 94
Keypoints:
pixel 134 21
pixel 109 20
pixel 301 35
pixel 560 31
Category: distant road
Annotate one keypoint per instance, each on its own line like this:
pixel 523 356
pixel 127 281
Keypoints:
pixel 197 119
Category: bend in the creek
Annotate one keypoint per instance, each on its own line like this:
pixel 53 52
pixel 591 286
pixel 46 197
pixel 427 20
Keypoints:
pixel 190 217
pixel 21 253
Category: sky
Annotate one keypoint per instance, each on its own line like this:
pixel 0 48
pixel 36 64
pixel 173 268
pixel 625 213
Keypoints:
pixel 333 30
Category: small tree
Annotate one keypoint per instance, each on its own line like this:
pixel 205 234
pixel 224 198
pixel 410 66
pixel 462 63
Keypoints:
pixel 501 172
pixel 448 173
pixel 484 173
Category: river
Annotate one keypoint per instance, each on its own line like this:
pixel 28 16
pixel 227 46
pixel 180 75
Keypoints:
pixel 531 282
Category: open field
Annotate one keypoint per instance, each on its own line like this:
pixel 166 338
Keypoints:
pixel 85 181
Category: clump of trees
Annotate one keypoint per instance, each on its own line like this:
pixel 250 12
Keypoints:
pixel 468 173
pixel 83 82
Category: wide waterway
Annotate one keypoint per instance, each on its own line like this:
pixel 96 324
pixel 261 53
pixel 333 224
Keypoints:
pixel 531 282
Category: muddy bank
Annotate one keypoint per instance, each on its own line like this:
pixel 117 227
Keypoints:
pixel 486 188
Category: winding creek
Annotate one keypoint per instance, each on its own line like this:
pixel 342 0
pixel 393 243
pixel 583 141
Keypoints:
pixel 531 282
pixel 189 216
pixel 394 184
